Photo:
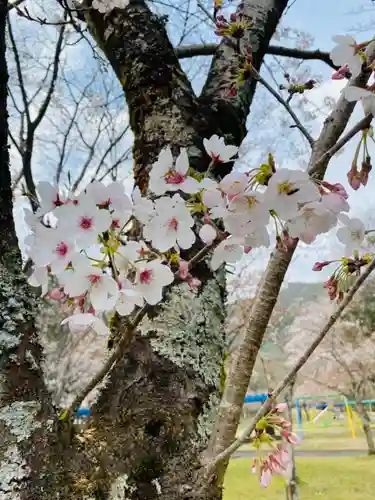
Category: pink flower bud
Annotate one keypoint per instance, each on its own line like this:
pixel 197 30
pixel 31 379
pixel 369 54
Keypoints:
pixel 57 294
pixel 281 407
pixel 183 269
pixel 341 73
pixel 331 285
pixel 354 177
pixel 194 283
pixel 248 249
pixel 283 454
pixel 290 437
pixel 318 266
pixel 266 474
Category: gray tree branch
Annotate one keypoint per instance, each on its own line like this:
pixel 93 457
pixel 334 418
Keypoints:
pixel 209 49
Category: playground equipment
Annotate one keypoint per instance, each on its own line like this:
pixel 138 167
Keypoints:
pixel 329 405
pixel 255 398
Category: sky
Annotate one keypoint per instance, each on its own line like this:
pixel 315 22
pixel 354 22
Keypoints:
pixel 321 19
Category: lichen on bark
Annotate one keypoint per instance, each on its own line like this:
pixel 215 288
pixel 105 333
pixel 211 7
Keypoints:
pixel 189 330
pixel 17 307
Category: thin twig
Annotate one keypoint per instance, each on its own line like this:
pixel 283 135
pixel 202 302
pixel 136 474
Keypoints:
pixel 14 4
pixel 206 12
pixel 209 49
pixel 289 110
pixel 361 125
pixel 263 410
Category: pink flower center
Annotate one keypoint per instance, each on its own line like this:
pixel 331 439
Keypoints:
pixel 173 224
pixel 57 202
pixel 62 249
pixel 173 177
pixel 115 224
pixel 85 222
pixel 94 278
pixel 215 158
pixel 145 277
pixel 105 203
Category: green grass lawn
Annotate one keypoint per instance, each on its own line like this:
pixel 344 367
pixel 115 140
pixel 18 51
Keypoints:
pixel 323 478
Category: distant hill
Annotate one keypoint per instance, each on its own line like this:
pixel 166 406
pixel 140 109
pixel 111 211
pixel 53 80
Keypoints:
pixel 294 292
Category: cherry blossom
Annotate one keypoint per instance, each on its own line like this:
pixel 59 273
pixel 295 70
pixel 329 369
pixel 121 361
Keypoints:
pixel 105 6
pixel 234 183
pixel 39 277
pixel 207 234
pixel 265 474
pixel 229 250
pixel 103 290
pixel 119 219
pixel 167 175
pixel 143 208
pixel 131 252
pixel 214 199
pixel 345 52
pixel 51 247
pixel 257 237
pixel 352 234
pixel 49 197
pixel 150 279
pixel 312 219
pixel 335 202
pixel 31 220
pixel 86 221
pixel 171 226
pixel 249 206
pixel 80 323
pixel 111 196
pixel 217 149
pixel 366 97
pixel 128 298
pixel 287 190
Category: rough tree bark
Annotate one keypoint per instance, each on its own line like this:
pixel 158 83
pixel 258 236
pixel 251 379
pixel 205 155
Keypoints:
pixel 366 426
pixel 153 416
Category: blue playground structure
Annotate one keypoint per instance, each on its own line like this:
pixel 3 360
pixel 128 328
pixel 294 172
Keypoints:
pixel 255 398
pixel 249 398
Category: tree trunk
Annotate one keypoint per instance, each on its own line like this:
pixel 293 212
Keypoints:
pixel 366 426
pixel 291 489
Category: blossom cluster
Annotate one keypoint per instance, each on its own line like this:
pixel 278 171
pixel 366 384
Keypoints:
pixel 352 58
pixel 277 462
pixel 106 6
pixel 183 209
